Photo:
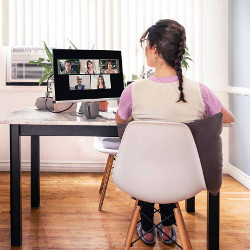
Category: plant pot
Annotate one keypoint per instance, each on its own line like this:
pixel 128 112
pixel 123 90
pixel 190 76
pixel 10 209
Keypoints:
pixel 40 103
pixel 103 106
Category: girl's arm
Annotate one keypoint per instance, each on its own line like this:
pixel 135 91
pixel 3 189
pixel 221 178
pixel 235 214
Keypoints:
pixel 227 115
pixel 213 105
pixel 124 112
pixel 118 119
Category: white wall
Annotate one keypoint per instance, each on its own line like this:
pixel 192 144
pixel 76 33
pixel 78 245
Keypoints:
pixel 215 55
pixel 239 99
pixel 66 152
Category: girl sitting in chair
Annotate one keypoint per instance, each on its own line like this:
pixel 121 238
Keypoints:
pixel 166 96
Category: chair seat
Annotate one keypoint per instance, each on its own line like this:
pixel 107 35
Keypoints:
pixel 108 145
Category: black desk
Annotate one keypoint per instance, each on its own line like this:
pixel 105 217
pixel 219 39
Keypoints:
pixel 34 123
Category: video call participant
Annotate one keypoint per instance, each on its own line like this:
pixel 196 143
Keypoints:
pixel 101 83
pixel 90 69
pixel 109 70
pixel 68 69
pixel 79 85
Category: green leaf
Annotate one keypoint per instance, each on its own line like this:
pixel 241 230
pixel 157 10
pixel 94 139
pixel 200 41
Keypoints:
pixel 44 78
pixel 188 58
pixel 185 64
pixel 134 77
pixel 46 66
pixel 49 54
pixel 41 59
pixel 47 71
pixel 34 62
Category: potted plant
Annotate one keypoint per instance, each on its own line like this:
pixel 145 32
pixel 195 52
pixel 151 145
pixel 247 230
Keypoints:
pixel 46 102
pixel 103 105
pixel 186 58
pixel 47 64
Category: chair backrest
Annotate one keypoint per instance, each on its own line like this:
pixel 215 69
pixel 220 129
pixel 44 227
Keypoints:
pixel 158 162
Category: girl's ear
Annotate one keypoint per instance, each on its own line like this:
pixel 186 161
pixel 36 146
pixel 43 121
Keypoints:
pixel 155 50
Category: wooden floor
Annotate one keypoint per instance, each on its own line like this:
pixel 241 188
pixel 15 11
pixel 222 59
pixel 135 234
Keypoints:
pixel 68 216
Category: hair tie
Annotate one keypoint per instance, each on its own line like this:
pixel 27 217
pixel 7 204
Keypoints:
pixel 180 88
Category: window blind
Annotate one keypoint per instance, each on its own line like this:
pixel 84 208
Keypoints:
pixel 104 24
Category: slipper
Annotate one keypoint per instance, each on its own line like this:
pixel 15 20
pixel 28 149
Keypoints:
pixel 173 236
pixel 139 231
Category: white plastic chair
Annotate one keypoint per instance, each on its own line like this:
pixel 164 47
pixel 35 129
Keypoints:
pixel 98 145
pixel 158 162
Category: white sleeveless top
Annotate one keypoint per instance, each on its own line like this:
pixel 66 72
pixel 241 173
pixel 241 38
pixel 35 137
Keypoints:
pixel 158 101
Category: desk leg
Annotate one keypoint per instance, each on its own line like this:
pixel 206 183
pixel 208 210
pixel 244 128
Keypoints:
pixel 190 205
pixel 213 221
pixel 35 171
pixel 15 186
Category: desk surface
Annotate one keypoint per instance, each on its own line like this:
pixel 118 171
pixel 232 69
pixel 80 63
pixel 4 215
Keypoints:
pixel 33 116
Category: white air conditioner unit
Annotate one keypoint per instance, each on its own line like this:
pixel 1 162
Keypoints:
pixel 18 68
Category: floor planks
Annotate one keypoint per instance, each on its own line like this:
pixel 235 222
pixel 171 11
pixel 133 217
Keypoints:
pixel 68 216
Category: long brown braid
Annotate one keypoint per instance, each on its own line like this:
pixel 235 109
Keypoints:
pixel 177 66
pixel 170 39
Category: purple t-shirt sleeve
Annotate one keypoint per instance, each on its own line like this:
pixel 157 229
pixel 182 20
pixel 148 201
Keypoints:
pixel 125 106
pixel 212 103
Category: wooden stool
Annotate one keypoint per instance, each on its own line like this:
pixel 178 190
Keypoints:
pixel 98 145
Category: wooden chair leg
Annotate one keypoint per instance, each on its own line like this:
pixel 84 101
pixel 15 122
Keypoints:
pixel 185 241
pixel 104 174
pixel 132 225
pixel 105 184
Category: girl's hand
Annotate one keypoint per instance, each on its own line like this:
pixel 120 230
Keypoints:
pixel 118 119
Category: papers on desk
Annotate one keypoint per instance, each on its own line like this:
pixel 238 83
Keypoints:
pixel 107 115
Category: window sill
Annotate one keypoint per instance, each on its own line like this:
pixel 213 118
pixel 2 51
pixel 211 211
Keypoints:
pixel 23 89
pixel 239 90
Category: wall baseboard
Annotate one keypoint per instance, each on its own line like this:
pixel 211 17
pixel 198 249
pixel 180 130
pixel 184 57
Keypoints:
pixel 69 166
pixel 56 166
pixel 98 167
pixel 224 168
pixel 237 174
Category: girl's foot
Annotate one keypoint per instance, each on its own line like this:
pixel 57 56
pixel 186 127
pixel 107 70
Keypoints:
pixel 167 230
pixel 148 236
pixel 170 231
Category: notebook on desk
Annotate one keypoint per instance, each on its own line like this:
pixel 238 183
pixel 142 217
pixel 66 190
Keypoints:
pixel 107 115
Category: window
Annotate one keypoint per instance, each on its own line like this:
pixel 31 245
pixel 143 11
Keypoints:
pixel 109 24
